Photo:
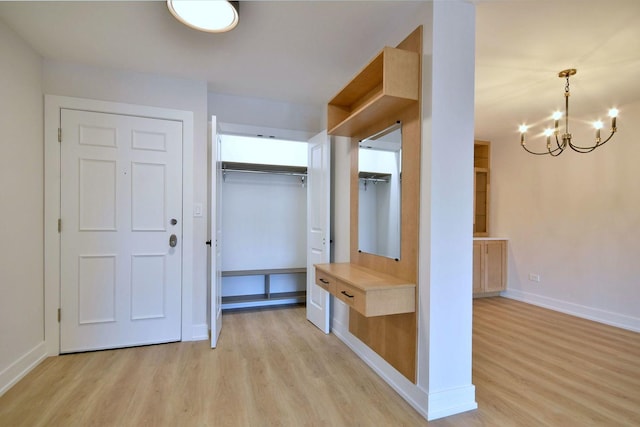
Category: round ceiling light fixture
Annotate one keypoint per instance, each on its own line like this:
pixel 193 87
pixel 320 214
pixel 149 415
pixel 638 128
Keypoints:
pixel 212 16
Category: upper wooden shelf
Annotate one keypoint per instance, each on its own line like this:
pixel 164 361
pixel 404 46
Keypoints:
pixel 389 83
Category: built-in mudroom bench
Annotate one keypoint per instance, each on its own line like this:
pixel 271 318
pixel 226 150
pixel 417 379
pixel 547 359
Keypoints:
pixel 268 297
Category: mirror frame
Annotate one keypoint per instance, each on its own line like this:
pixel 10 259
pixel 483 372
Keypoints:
pixel 407 266
pixel 394 242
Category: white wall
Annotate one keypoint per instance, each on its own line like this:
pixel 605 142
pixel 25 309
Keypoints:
pixel 340 204
pixel 263 215
pixel 445 259
pixel 81 81
pixel 573 220
pixel 21 208
pixel 267 117
pixel 266 151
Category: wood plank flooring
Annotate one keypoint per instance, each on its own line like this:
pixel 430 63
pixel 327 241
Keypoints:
pixel 537 367
pixel 531 367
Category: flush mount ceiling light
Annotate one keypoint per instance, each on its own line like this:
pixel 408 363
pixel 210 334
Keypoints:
pixel 212 16
pixel 565 141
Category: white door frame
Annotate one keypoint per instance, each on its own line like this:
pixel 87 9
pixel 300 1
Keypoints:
pixel 52 106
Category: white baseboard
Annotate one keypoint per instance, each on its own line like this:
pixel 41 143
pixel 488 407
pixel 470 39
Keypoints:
pixel 590 313
pixel 199 333
pixel 21 367
pixel 450 402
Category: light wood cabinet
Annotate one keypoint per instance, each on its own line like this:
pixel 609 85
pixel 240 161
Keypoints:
pixel 368 292
pixel 481 155
pixel 389 83
pixel 489 266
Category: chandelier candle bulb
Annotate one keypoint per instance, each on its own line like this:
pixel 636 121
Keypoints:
pixel 613 113
pixel 548 132
pixel 598 125
pixel 522 129
pixel 556 117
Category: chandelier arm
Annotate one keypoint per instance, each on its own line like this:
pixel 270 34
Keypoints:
pixel 556 152
pixel 600 144
pixel 533 152
pixel 582 150
pixel 544 153
pixel 558 142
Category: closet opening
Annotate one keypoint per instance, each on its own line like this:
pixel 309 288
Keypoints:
pixel 263 204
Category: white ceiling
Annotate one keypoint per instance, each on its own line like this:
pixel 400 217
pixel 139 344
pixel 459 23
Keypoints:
pixel 305 51
pixel 522 45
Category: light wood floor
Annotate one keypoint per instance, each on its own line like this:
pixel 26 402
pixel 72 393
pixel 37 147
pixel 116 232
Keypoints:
pixel 531 367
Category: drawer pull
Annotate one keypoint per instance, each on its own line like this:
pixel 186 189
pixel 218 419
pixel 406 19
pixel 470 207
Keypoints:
pixel 326 282
pixel 346 294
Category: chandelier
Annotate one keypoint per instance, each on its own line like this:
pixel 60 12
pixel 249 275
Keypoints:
pixel 564 141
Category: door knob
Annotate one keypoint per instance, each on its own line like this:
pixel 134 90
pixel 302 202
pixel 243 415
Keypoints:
pixel 173 240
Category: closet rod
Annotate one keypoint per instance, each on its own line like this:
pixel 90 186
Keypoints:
pixel 375 179
pixel 271 172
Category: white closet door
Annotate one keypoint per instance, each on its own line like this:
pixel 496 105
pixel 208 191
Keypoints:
pixel 215 218
pixel 318 178
pixel 121 239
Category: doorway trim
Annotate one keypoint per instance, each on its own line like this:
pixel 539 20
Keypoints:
pixel 52 106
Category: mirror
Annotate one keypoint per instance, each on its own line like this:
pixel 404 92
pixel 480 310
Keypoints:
pixel 379 191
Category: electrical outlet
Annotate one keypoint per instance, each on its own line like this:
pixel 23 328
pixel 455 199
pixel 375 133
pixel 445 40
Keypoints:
pixel 534 277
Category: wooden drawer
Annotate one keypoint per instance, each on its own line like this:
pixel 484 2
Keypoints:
pixel 325 281
pixel 351 296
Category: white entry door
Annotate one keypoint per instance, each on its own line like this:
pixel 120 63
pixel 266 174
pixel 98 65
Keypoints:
pixel 318 204
pixel 215 218
pixel 121 233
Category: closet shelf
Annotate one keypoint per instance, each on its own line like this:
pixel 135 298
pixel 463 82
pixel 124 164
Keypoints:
pixel 374 176
pixel 262 168
pixel 262 300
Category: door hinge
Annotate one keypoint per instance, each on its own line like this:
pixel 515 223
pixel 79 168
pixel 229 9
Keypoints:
pixel 59 225
pixel 59 134
pixel 59 314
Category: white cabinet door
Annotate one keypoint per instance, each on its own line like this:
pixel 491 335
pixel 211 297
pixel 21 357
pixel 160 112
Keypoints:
pixel 318 205
pixel 121 236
